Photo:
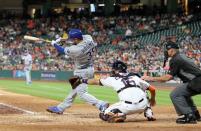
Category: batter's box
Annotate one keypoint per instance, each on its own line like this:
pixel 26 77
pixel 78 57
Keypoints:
pixel 9 109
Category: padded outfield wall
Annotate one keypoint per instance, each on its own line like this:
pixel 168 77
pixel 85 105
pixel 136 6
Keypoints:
pixel 44 75
pixel 37 75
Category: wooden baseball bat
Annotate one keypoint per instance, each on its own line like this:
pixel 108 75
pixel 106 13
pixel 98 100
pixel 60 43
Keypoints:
pixel 32 38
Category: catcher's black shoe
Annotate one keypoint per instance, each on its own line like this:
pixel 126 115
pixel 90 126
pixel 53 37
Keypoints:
pixel 148 113
pixel 187 119
pixel 151 118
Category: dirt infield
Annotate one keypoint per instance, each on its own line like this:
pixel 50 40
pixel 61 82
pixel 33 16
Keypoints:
pixel 27 113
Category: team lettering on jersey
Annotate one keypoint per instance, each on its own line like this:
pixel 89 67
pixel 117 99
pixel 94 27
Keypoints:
pixel 87 46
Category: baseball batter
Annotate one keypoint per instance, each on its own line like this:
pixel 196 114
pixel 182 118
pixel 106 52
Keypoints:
pixel 131 92
pixel 27 58
pixel 82 53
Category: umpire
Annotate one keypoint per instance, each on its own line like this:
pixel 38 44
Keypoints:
pixel 184 68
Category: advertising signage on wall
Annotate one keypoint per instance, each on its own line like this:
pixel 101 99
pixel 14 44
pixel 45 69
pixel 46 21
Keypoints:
pixel 18 74
pixel 48 75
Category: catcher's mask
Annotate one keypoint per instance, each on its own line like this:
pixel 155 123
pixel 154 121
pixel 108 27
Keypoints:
pixel 168 45
pixel 26 52
pixel 119 66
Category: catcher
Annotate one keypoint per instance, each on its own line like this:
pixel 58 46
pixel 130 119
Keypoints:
pixel 131 92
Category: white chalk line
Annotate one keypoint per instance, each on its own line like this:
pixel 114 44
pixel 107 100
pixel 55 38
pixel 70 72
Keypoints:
pixel 17 108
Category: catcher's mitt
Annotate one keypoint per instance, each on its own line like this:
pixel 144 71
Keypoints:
pixel 75 81
pixel 114 118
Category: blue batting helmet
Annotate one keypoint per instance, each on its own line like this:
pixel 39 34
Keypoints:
pixel 75 33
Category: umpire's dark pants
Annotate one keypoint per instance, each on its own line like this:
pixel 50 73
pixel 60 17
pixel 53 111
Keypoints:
pixel 182 101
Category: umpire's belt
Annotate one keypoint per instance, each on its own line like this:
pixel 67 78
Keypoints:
pixel 128 102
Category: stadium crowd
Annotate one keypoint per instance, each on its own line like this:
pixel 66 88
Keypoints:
pixel 116 38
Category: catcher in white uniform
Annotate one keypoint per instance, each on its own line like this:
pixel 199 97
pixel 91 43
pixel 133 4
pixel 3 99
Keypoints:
pixel 27 58
pixel 82 53
pixel 131 92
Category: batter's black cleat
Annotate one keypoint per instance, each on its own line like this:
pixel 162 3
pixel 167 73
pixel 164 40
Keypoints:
pixel 187 119
pixel 197 116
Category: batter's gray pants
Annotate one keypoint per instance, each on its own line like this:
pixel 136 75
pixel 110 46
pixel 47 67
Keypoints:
pixel 182 100
pixel 81 91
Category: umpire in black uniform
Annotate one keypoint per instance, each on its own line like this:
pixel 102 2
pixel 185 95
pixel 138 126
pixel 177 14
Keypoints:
pixel 184 68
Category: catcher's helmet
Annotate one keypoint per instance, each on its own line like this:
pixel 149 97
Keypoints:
pixel 25 51
pixel 119 66
pixel 75 33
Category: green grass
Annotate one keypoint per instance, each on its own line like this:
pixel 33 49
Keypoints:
pixel 59 90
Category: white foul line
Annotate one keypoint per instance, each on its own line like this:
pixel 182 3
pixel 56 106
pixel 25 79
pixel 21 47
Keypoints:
pixel 17 108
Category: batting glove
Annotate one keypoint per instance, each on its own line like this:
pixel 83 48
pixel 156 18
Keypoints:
pixel 55 41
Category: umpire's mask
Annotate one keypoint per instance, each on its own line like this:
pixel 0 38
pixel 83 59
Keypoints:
pixel 168 45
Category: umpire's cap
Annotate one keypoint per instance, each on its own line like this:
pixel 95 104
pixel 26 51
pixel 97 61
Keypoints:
pixel 75 33
pixel 170 45
pixel 119 66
